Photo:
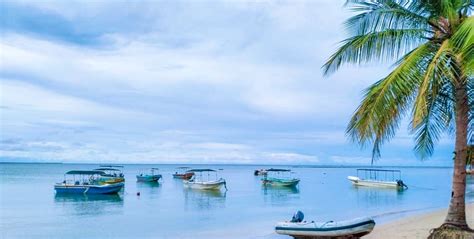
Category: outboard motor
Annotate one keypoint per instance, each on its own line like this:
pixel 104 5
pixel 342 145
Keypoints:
pixel 297 217
pixel 401 184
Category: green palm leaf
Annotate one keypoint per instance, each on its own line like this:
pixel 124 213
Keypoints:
pixel 379 46
pixel 435 78
pixel 381 15
pixel 378 116
pixel 436 42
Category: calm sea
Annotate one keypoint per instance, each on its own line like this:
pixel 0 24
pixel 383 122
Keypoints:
pixel 29 207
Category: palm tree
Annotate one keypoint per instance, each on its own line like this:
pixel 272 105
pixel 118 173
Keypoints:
pixel 432 79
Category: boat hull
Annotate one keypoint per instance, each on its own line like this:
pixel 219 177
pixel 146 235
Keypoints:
pixel 185 176
pixel 148 178
pixel 110 180
pixel 88 189
pixel 356 227
pixel 374 183
pixel 210 185
pixel 280 182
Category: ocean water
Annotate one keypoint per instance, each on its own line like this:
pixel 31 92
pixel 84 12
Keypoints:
pixel 29 207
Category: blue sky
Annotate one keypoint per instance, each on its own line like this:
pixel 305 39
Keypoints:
pixel 183 82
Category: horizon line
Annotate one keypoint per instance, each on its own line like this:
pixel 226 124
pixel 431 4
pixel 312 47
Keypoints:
pixel 244 164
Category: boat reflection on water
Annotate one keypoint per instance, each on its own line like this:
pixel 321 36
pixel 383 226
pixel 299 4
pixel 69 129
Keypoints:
pixel 145 185
pixel 280 195
pixel 151 189
pixel 203 199
pixel 367 196
pixel 89 204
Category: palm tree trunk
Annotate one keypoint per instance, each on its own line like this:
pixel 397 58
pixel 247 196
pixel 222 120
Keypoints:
pixel 457 210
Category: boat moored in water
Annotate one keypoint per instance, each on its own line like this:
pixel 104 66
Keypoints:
pixel 152 177
pixel 182 173
pixel 381 178
pixel 260 172
pixel 204 179
pixel 279 178
pixel 298 228
pixel 113 174
pixel 86 182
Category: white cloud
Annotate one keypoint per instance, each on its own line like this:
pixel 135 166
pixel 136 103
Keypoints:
pixel 351 160
pixel 148 152
pixel 293 158
pixel 181 82
pixel 23 97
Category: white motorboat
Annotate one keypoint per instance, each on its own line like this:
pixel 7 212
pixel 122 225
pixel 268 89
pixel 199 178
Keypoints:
pixel 349 228
pixel 378 178
pixel 202 180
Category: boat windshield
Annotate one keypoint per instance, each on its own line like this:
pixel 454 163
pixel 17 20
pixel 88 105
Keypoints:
pixel 379 174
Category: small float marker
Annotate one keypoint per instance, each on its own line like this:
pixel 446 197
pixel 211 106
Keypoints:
pixel 138 193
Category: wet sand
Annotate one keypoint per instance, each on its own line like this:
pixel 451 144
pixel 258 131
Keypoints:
pixel 416 226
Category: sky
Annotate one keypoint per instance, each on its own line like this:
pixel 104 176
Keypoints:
pixel 234 82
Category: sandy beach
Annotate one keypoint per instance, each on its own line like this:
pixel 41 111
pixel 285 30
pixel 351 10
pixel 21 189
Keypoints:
pixel 417 226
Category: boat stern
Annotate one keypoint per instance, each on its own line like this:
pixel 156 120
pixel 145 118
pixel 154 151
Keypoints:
pixel 353 179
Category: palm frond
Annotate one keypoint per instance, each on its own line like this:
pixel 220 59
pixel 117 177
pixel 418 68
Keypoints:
pixel 447 9
pixel 470 95
pixel 463 38
pixel 386 14
pixel 436 40
pixel 378 116
pixel 375 46
pixel 438 118
pixel 436 71
pixel 463 43
pixel 466 8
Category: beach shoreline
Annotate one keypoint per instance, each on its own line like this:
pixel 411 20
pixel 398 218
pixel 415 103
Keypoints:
pixel 416 226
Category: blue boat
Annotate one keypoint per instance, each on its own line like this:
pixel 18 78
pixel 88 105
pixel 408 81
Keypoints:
pixel 149 177
pixel 86 182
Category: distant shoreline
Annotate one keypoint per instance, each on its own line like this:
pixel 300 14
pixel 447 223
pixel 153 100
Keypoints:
pixel 256 165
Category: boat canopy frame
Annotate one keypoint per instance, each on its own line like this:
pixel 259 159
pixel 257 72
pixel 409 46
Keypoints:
pixel 278 170
pixel 198 174
pixel 108 169
pixel 152 170
pixel 279 173
pixel 182 170
pixel 375 174
pixel 84 177
pixel 85 172
pixel 201 170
